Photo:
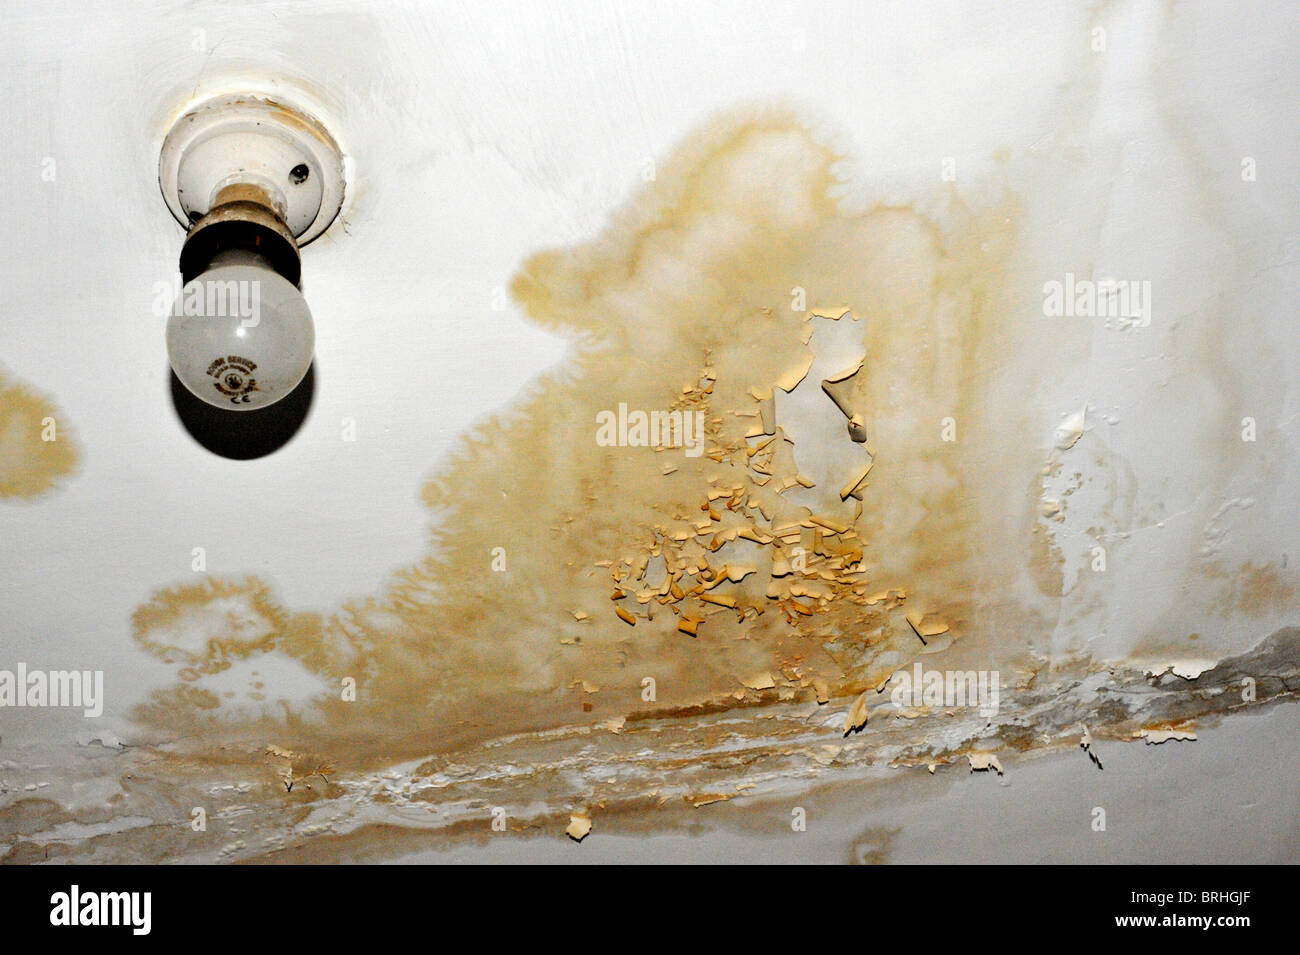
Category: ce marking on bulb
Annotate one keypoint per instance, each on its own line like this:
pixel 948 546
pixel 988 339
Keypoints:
pixel 234 378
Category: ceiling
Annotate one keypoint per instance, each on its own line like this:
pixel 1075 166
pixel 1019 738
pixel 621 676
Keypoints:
pixel 429 582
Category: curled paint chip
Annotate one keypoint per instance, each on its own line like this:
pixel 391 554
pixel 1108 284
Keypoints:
pixel 926 625
pixel 766 412
pixel 821 520
pixel 856 484
pixel 579 826
pixel 790 379
pixel 1155 735
pixel 1069 431
pixel 1187 669
pixel 840 388
pixel 699 800
pixel 738 572
pixel 856 718
pixel 983 762
pixel 1085 743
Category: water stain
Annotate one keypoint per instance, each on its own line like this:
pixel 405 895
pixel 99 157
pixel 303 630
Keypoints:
pixel 37 449
pixel 567 577
pixel 689 774
pixel 873 846
pixel 1256 590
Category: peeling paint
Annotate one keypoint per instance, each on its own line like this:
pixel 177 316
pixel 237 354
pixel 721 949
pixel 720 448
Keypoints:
pixel 660 631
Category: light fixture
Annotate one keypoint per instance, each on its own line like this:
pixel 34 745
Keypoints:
pixel 252 179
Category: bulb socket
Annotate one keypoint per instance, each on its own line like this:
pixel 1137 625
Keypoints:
pixel 241 222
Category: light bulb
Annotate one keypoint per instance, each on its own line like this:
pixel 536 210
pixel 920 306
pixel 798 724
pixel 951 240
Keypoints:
pixel 252 178
pixel 240 335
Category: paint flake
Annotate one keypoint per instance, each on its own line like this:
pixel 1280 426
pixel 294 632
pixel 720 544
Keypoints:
pixel 791 378
pixel 1156 735
pixel 984 762
pixel 856 718
pixel 579 826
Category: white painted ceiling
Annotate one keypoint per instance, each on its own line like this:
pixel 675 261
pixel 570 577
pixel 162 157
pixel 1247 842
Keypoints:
pixel 477 135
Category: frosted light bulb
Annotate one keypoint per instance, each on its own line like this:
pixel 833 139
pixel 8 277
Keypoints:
pixel 240 336
pixel 252 179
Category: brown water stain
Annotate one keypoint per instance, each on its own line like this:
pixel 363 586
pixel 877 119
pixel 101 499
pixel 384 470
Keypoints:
pixel 689 301
pixel 37 450
pixel 1256 590
pixel 733 772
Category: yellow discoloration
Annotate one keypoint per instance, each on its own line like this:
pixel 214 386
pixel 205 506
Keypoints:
pixel 37 449
pixel 691 284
